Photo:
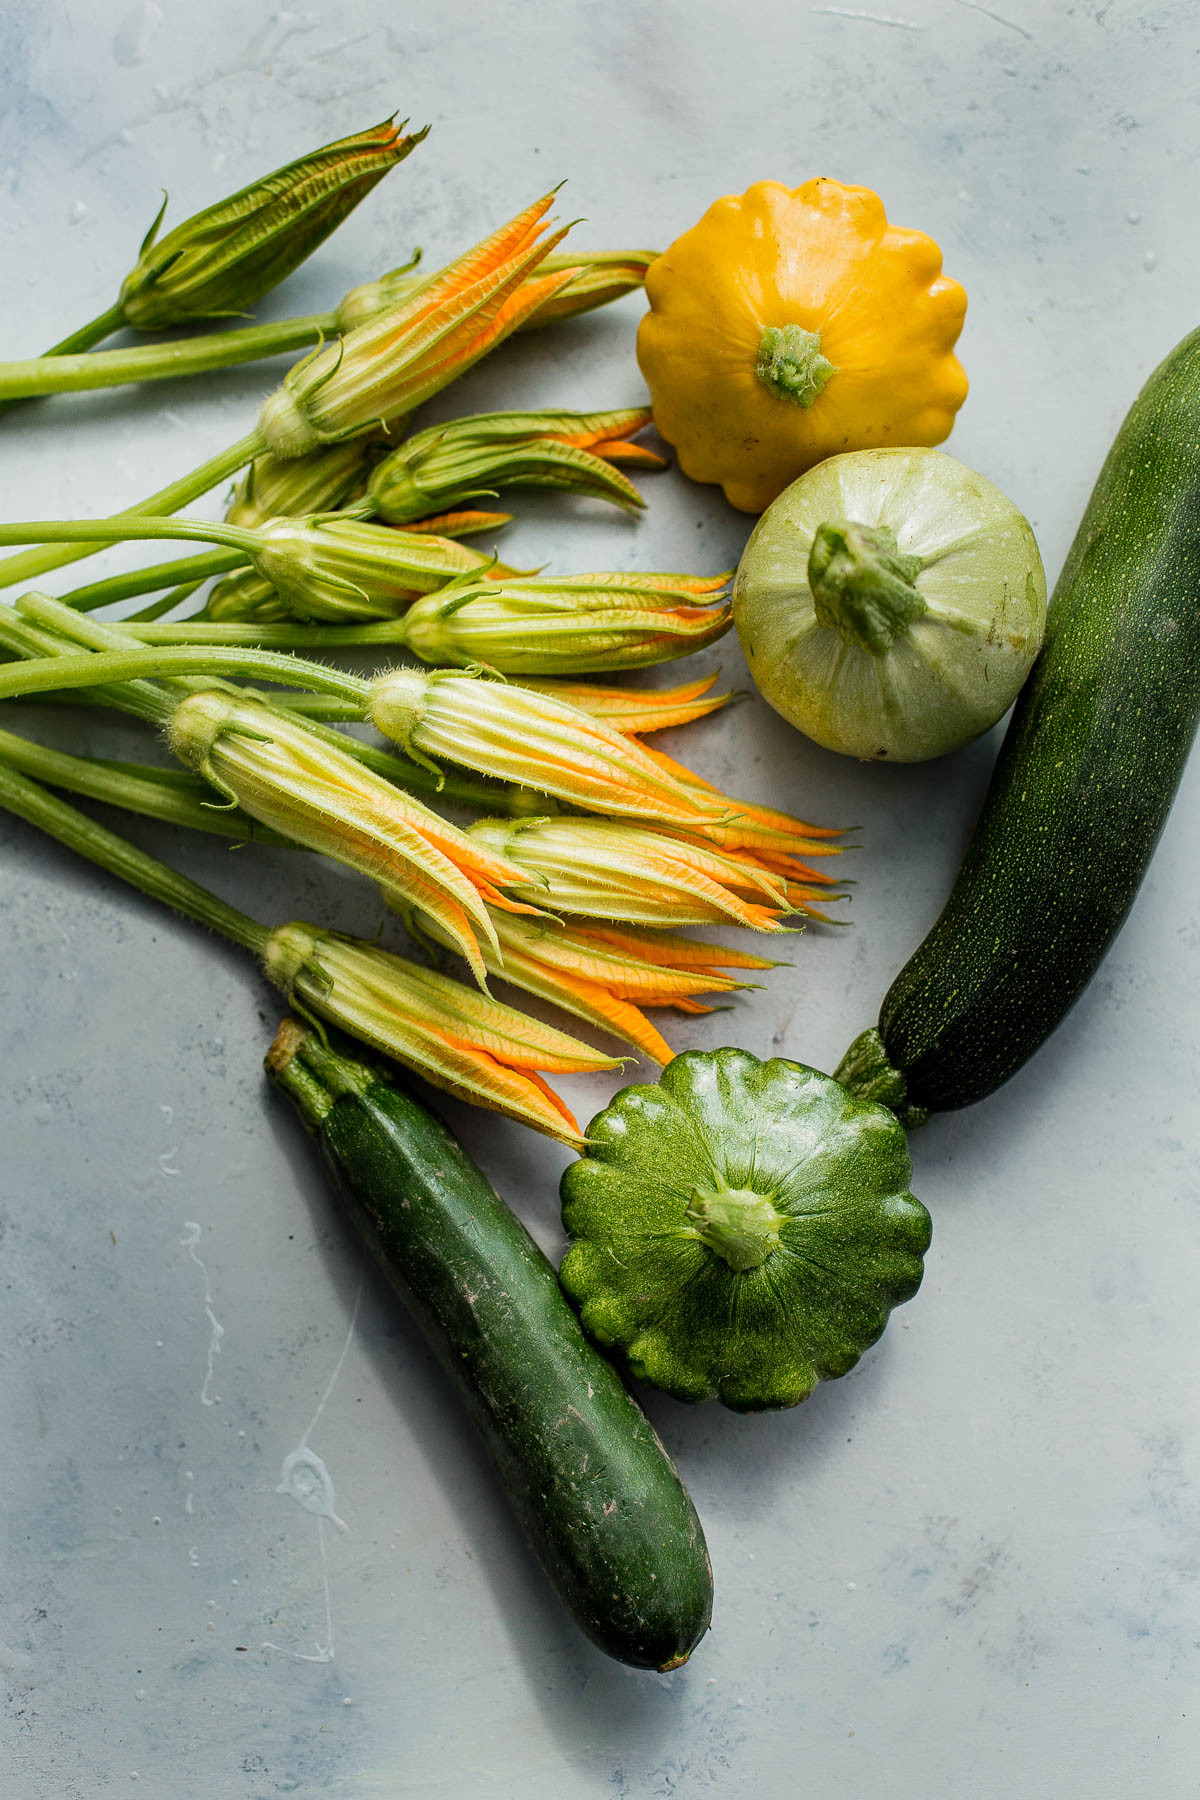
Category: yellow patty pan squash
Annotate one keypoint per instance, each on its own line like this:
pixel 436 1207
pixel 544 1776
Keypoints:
pixel 791 324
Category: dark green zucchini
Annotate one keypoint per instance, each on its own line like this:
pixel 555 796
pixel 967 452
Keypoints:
pixel 593 1487
pixel 1085 777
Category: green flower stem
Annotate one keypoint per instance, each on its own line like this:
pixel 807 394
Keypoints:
pixel 141 698
pixel 166 602
pixel 188 571
pixel 31 563
pixel 289 636
pixel 98 668
pixel 126 526
pixel 167 794
pixel 118 640
pixel 316 706
pixel 94 332
pixel 28 801
pixel 20 635
pixel 59 371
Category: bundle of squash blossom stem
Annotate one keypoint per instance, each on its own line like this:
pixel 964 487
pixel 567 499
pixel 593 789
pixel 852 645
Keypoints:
pixel 581 850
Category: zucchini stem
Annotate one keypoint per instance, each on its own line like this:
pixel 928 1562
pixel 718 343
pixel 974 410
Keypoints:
pixel 187 571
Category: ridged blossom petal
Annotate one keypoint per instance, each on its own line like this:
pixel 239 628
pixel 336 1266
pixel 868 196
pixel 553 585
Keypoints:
pixel 466 1043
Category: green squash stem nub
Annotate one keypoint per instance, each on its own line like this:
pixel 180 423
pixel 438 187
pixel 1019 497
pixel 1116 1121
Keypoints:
pixel 791 365
pixel 736 1223
pixel 863 584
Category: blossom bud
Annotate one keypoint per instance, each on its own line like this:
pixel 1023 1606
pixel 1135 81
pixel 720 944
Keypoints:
pixel 220 261
pixel 563 627
pixel 341 570
pixel 274 488
pixel 447 464
pixel 600 277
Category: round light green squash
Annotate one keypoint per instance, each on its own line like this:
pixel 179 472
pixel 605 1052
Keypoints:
pixel 890 604
pixel 741 1229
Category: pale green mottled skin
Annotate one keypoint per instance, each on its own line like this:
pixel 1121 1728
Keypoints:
pixel 959 660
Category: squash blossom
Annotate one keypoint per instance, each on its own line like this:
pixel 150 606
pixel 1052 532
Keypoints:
pixel 595 278
pixel 566 625
pixel 608 869
pixel 303 787
pixel 343 571
pixel 473 1046
pixel 463 459
pixel 531 739
pixel 220 261
pixel 405 571
pixel 791 324
pixel 276 487
pixel 606 980
pixel 394 361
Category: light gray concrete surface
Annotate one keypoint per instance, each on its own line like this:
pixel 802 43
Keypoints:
pixel 970 1567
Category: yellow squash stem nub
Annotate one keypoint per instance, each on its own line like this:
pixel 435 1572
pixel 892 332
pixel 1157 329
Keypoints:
pixel 791 365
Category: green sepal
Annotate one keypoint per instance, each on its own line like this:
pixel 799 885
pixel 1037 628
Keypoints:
pixel 834 1170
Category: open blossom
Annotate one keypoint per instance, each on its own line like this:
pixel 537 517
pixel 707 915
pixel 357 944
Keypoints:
pixel 300 785
pixel 220 261
pixel 394 361
pixel 595 277
pixel 564 625
pixel 465 1042
pixel 609 869
pixel 509 732
pixel 465 458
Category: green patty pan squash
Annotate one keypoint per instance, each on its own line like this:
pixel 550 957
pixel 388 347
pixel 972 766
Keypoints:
pixel 741 1229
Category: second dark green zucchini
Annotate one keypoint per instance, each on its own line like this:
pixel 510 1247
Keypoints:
pixel 593 1487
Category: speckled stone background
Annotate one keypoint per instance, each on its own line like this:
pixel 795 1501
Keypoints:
pixel 970 1567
